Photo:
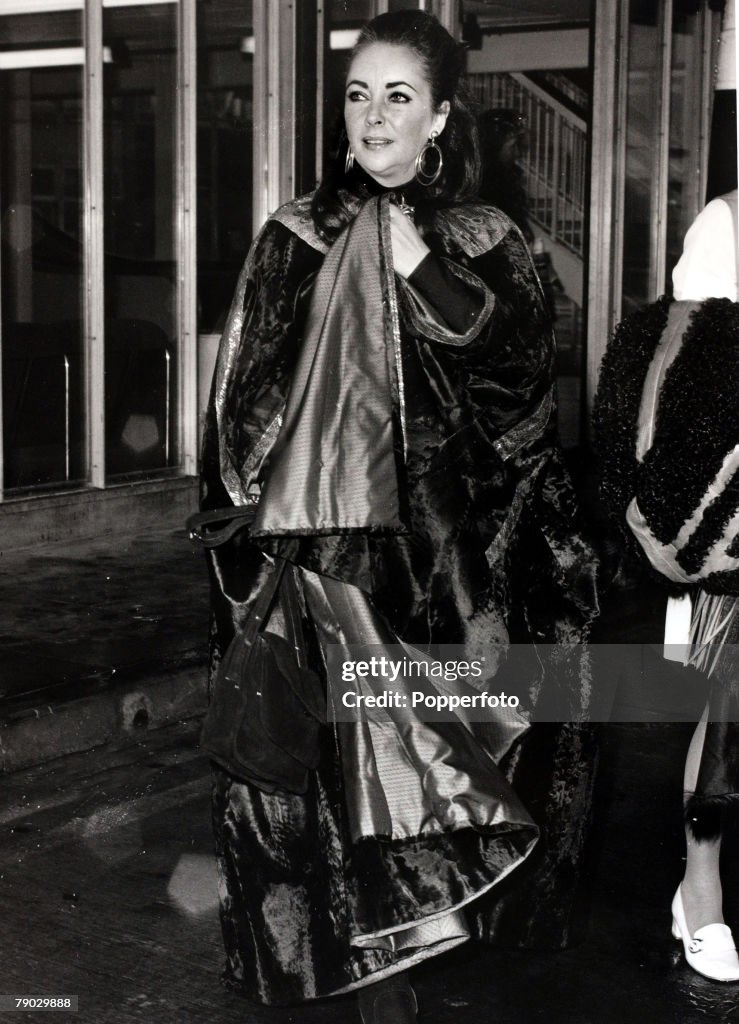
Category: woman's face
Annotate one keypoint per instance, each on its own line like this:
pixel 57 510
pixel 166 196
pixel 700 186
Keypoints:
pixel 388 111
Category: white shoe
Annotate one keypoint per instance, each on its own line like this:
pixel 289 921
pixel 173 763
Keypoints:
pixel 711 950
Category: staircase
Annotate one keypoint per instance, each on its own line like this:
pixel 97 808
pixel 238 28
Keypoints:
pixel 555 168
pixel 555 162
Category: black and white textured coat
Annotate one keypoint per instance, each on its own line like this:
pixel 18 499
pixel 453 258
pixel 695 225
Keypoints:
pixel 666 425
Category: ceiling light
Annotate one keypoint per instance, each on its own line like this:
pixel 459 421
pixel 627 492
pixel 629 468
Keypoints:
pixel 9 7
pixel 51 57
pixel 343 38
pixel 340 39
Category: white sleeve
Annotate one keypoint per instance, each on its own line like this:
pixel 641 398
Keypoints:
pixel 707 267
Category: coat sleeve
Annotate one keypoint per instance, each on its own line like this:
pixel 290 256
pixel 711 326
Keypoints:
pixel 537 549
pixel 510 367
pixel 443 290
pixel 259 345
pixel 551 566
pixel 506 355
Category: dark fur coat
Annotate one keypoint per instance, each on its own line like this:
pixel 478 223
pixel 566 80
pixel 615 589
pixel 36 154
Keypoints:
pixel 491 547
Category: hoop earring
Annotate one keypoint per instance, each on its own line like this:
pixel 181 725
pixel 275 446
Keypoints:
pixel 424 177
pixel 349 162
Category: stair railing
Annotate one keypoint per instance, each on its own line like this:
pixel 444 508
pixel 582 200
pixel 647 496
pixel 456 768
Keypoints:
pixel 555 160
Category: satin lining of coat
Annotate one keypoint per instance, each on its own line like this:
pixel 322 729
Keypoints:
pixel 333 466
pixel 386 258
pixel 528 431
pixel 410 777
pixel 472 230
pixel 426 321
pixel 404 963
pixel 407 778
pixel 446 929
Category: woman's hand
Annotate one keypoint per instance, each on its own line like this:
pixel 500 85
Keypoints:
pixel 408 246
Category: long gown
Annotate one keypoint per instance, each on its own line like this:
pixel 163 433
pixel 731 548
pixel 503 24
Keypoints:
pixel 403 844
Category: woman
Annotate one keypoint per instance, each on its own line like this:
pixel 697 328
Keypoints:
pixel 385 386
pixel 667 426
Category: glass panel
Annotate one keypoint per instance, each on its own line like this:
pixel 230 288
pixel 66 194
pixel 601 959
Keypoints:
pixel 686 119
pixel 41 256
pixel 140 280
pixel 351 13
pixel 344 18
pixel 642 155
pixel 497 16
pixel 534 153
pixel 225 141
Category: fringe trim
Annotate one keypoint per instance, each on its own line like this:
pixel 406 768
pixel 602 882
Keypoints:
pixel 712 617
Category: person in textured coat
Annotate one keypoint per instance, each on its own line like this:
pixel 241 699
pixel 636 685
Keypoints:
pixel 384 388
pixel 667 429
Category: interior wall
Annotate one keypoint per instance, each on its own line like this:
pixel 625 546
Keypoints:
pixel 531 51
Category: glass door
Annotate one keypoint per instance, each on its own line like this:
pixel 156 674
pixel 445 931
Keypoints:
pixel 41 277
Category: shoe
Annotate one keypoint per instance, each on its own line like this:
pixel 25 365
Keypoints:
pixel 391 1001
pixel 711 950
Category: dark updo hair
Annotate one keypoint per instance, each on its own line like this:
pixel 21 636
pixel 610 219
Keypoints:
pixel 443 62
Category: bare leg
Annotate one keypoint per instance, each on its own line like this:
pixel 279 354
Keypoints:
pixel 701 886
